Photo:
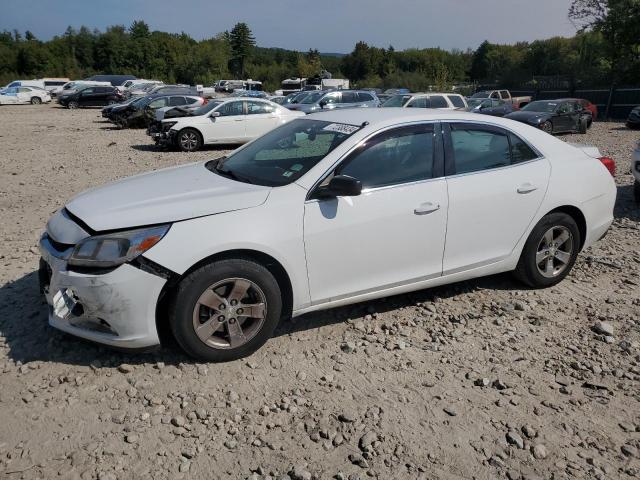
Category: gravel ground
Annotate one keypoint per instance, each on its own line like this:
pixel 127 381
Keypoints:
pixel 481 379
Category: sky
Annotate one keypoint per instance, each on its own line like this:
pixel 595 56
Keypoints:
pixel 328 25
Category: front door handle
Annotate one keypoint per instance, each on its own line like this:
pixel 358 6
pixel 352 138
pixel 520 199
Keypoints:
pixel 526 188
pixel 427 207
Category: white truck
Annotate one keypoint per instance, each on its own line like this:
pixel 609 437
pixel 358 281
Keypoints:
pixel 327 84
pixel 505 95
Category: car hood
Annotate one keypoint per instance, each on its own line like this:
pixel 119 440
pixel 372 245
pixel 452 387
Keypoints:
pixel 164 196
pixel 529 117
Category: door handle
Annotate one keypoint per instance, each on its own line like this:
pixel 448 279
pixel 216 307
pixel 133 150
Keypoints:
pixel 238 120
pixel 427 207
pixel 526 188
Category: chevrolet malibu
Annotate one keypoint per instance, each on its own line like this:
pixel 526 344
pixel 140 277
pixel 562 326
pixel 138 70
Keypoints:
pixel 330 209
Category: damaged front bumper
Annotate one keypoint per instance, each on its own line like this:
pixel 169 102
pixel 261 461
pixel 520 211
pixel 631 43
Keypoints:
pixel 117 307
pixel 166 138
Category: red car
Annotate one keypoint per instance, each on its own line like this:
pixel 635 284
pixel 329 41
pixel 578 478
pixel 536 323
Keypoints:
pixel 587 105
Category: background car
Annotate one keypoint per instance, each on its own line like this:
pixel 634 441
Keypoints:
pixel 441 101
pixel 490 106
pixel 95 96
pixel 633 120
pixel 316 101
pixel 555 116
pixel 17 95
pixel 140 112
pixel 233 120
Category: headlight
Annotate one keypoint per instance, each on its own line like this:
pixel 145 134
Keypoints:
pixel 114 249
pixel 166 126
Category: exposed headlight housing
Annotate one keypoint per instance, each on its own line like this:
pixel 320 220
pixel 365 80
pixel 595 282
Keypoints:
pixel 113 249
pixel 166 126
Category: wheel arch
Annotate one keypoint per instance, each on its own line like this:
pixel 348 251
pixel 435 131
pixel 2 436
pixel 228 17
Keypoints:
pixel 270 263
pixel 578 217
pixel 195 129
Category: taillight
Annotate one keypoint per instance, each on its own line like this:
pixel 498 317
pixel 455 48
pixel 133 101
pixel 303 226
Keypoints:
pixel 204 100
pixel 610 164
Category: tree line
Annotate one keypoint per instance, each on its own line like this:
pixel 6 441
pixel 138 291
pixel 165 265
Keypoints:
pixel 605 49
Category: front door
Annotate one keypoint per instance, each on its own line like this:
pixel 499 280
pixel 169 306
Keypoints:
pixel 393 232
pixel 496 183
pixel 228 127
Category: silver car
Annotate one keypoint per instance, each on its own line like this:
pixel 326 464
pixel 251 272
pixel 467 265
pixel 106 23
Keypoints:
pixel 331 99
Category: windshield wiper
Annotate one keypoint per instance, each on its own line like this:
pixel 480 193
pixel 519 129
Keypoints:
pixel 228 173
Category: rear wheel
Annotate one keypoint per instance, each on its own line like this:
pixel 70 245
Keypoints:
pixel 547 127
pixel 36 100
pixel 225 310
pixel 189 140
pixel 550 251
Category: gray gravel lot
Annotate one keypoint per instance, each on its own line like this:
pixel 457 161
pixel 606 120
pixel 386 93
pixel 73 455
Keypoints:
pixel 482 379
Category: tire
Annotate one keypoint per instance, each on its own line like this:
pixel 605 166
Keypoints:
pixel 583 126
pixel 72 105
pixel 215 284
pixel 636 191
pixel 36 100
pixel 562 226
pixel 189 140
pixel 111 102
pixel 547 127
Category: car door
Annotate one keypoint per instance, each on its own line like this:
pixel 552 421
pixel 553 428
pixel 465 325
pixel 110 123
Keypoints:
pixel 23 95
pixel 330 100
pixel 261 118
pixel 496 183
pixel 393 232
pixel 86 97
pixel 564 119
pixel 228 126
pixel 102 95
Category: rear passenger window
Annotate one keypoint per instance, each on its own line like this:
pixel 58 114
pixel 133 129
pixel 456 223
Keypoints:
pixel 364 97
pixel 520 151
pixel 175 101
pixel 255 108
pixel 349 97
pixel 190 100
pixel 438 101
pixel 394 157
pixel 476 148
pixel 422 102
pixel 456 100
pixel 157 103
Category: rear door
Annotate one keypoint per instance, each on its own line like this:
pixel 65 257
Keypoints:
pixel 87 97
pixel 260 118
pixel 496 183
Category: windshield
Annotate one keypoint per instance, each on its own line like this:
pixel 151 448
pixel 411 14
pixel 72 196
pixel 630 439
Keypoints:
pixel 540 106
pixel 312 98
pixel 475 102
pixel 397 101
pixel 285 154
pixel 206 108
pixel 480 95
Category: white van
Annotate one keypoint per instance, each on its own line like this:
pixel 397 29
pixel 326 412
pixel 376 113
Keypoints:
pixel 26 83
pixel 50 84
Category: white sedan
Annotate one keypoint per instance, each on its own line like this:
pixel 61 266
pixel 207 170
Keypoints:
pixel 331 209
pixel 18 95
pixel 232 120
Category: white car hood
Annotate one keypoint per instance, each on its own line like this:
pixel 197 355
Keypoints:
pixel 164 196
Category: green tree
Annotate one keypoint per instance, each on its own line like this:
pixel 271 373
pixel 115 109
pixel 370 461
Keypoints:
pixel 242 43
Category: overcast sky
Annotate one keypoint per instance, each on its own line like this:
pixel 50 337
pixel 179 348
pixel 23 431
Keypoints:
pixel 328 25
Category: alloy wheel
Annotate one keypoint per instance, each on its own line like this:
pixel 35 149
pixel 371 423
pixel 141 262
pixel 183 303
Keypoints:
pixel 547 127
pixel 189 140
pixel 554 251
pixel 36 101
pixel 229 313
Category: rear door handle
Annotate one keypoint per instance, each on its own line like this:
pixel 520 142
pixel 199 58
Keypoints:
pixel 427 207
pixel 526 188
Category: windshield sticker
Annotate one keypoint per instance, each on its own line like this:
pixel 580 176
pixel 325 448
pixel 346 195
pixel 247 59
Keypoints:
pixel 288 173
pixel 296 168
pixel 341 128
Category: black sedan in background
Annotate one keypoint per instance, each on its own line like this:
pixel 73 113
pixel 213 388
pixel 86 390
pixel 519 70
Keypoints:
pixel 555 116
pixel 490 106
pixel 94 96
pixel 633 120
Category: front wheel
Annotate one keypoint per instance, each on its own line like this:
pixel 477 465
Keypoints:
pixel 72 105
pixel 225 310
pixel 547 127
pixel 36 100
pixel 583 125
pixel 189 140
pixel 550 251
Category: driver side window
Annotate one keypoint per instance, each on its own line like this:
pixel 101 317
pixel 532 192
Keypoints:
pixel 394 157
pixel 564 108
pixel 231 109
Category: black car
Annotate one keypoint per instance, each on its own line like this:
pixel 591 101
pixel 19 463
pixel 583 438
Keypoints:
pixel 92 96
pixel 633 120
pixel 555 116
pixel 139 112
pixel 490 106
pixel 106 111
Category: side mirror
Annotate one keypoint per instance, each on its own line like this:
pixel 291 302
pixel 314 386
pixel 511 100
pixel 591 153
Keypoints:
pixel 341 186
pixel 213 116
pixel 322 103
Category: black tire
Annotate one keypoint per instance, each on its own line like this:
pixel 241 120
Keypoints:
pixel 36 100
pixel 111 102
pixel 189 140
pixel 189 291
pixel 72 105
pixel 547 127
pixel 527 270
pixel 583 126
pixel 636 191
